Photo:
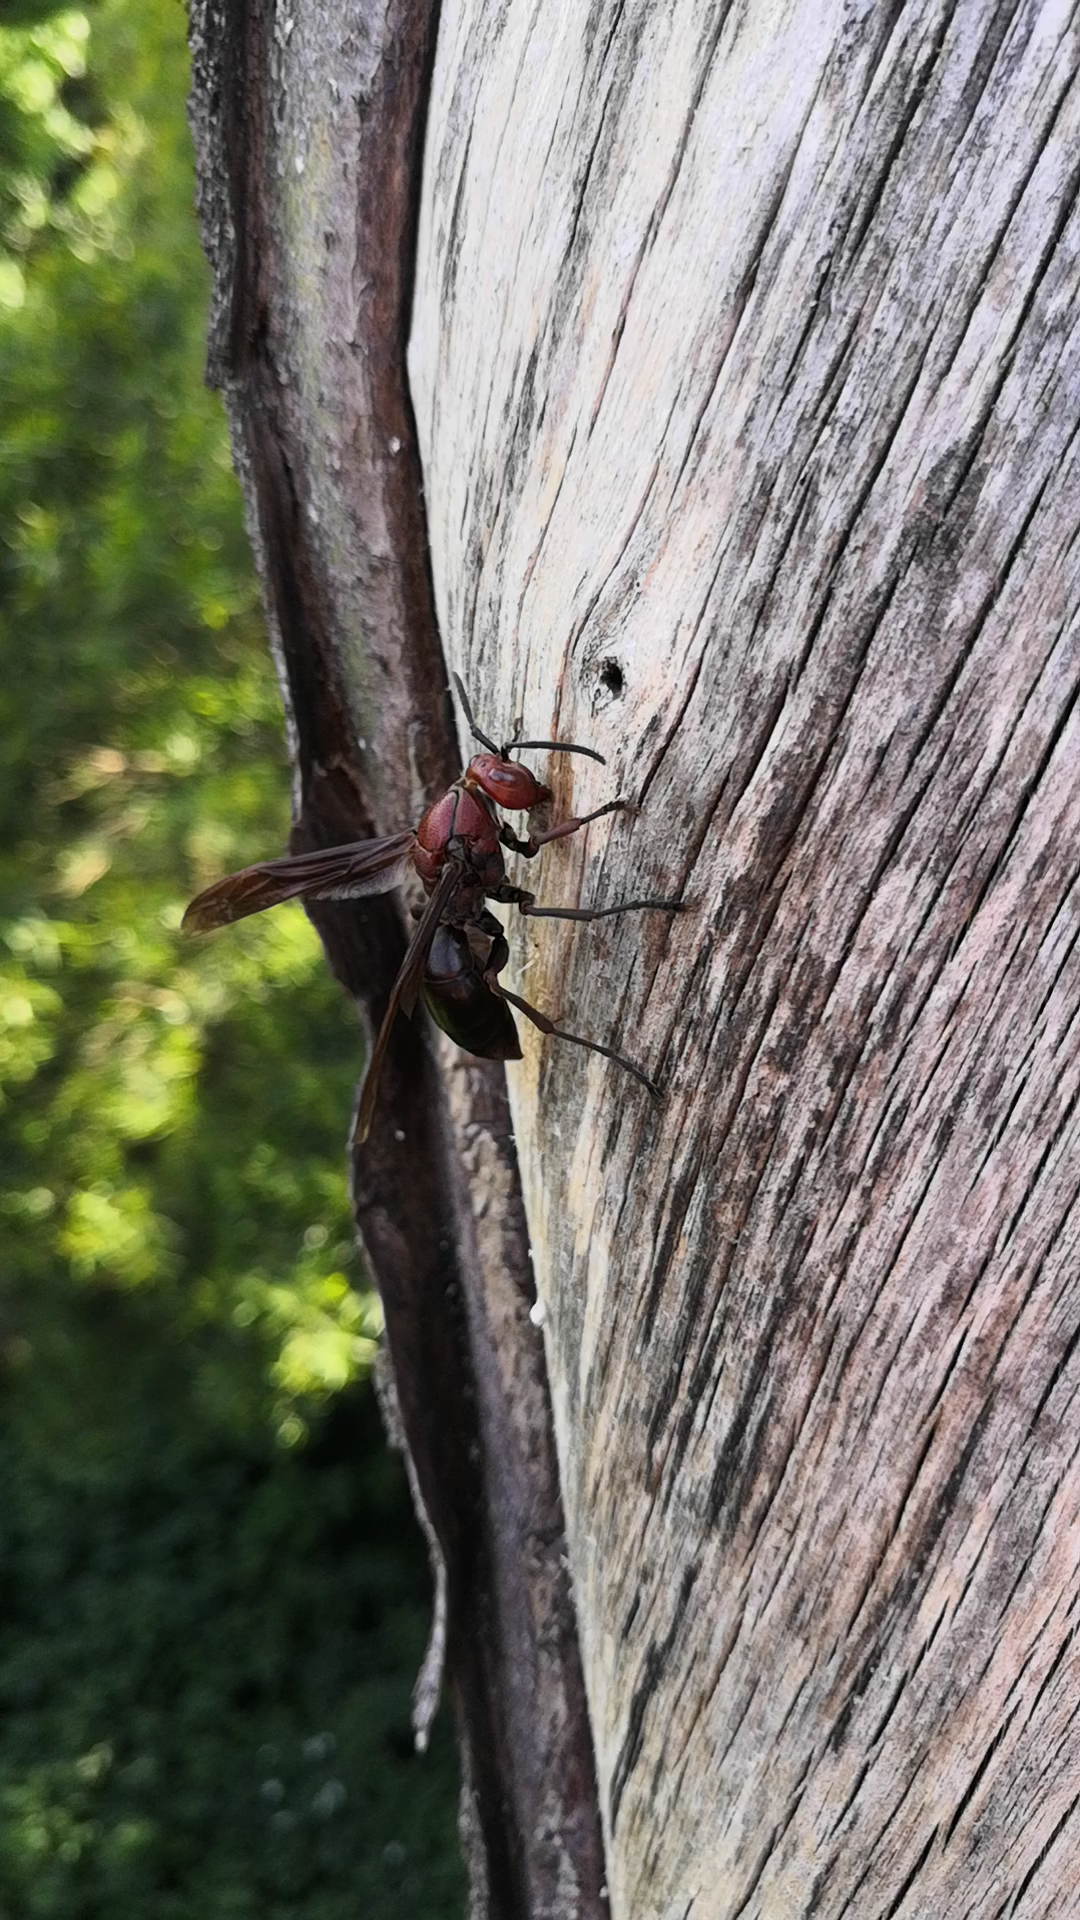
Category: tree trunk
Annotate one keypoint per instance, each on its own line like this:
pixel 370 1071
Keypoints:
pixel 746 365
pixel 746 369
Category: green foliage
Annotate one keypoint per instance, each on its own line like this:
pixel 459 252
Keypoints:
pixel 141 753
pixel 179 1293
pixel 202 1698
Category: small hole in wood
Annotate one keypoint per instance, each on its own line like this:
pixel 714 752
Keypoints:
pixel 612 678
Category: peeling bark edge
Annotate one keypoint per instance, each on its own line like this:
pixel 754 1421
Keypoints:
pixel 452 1266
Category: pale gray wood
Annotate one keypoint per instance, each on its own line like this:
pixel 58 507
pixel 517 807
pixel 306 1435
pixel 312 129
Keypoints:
pixel 746 365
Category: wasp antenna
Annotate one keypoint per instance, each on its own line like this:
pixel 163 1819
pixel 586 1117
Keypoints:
pixel 560 746
pixel 468 712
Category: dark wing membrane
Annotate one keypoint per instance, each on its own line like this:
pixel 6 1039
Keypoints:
pixel 403 993
pixel 333 873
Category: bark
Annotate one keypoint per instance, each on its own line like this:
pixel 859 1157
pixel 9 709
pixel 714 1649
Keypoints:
pixel 746 363
pixel 308 126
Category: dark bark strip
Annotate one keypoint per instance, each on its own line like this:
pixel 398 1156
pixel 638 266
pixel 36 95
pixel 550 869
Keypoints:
pixel 308 134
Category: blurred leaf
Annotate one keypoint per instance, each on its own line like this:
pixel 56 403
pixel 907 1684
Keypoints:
pixel 141 753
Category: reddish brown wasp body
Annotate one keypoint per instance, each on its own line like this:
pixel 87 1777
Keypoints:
pixel 458 949
pixel 458 998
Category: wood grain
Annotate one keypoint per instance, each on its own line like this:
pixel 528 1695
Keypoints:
pixel 746 363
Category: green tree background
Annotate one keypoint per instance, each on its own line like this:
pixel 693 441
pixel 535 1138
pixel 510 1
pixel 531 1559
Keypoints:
pixel 212 1600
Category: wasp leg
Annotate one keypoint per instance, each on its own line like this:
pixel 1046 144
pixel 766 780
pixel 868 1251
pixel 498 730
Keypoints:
pixel 468 712
pixel 559 1033
pixel 510 896
pixel 598 913
pixel 531 847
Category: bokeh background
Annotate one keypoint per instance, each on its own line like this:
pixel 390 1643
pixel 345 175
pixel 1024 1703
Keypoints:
pixel 212 1598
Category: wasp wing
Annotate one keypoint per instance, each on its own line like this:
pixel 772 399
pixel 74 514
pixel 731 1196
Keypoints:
pixel 403 993
pixel 332 873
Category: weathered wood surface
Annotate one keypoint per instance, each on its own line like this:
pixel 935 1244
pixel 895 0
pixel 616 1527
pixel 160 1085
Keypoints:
pixel 308 128
pixel 746 363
